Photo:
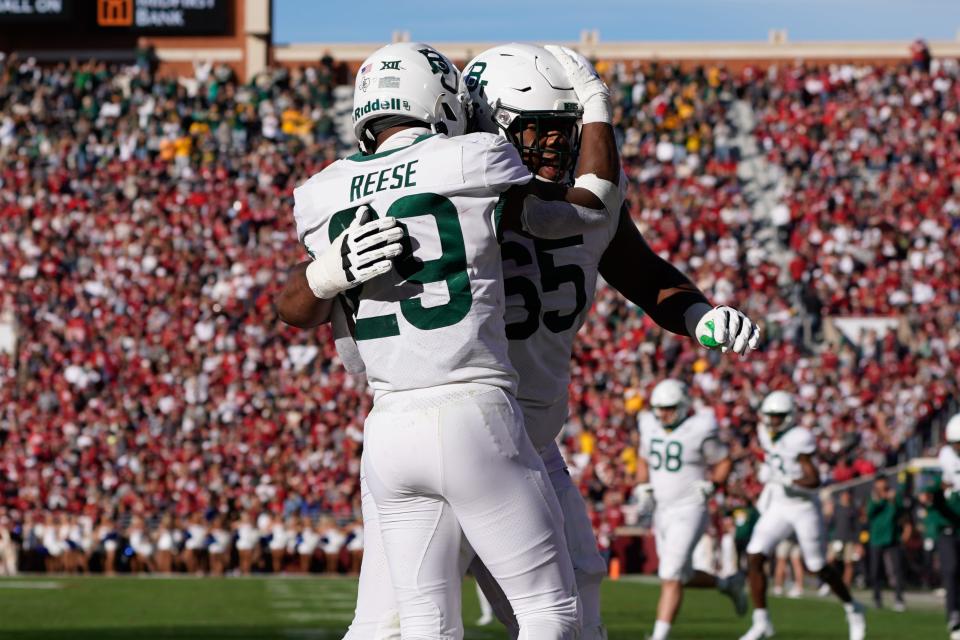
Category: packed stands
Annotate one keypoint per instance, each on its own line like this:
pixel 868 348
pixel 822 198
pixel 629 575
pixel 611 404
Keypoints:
pixel 156 415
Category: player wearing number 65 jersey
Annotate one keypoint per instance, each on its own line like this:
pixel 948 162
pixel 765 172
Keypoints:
pixel 550 283
pixel 444 446
pixel 789 505
pixel 681 462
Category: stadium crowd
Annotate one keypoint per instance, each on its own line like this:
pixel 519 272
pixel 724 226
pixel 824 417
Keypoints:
pixel 156 415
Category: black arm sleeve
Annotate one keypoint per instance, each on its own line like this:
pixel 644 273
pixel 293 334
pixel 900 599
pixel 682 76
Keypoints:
pixel 647 280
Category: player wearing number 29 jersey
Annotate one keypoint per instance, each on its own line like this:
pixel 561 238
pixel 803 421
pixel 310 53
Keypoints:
pixel 444 447
pixel 438 317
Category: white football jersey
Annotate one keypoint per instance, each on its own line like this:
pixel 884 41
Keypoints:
pixel 949 466
pixel 438 317
pixel 781 457
pixel 550 286
pixel 677 457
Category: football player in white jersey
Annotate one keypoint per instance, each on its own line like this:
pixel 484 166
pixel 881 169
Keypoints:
pixel 948 503
pixel 789 504
pixel 444 446
pixel 682 461
pixel 550 284
pixel 516 93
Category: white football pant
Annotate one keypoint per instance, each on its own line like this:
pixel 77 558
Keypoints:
pixel 781 519
pixel 376 616
pixel 677 531
pixel 457 457
pixel 589 567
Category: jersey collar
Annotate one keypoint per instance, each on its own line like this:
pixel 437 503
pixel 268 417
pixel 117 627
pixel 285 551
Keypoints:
pixel 403 138
pixel 779 434
pixel 396 142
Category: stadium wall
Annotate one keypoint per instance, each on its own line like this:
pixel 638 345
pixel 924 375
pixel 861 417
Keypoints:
pixel 735 55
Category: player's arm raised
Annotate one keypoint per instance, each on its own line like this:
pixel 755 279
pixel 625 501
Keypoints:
pixel 598 167
pixel 668 296
pixel 595 197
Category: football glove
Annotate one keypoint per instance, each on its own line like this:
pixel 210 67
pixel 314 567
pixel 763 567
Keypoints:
pixel 776 476
pixel 705 488
pixel 763 473
pixel 593 94
pixel 362 252
pixel 644 496
pixel 728 329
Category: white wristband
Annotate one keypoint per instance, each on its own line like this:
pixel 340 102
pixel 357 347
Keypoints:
pixel 597 109
pixel 607 192
pixel 320 281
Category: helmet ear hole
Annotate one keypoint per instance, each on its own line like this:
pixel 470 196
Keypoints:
pixel 448 112
pixel 440 127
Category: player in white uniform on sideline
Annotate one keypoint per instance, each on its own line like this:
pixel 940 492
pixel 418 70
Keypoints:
pixel 789 504
pixel 947 502
pixel 444 447
pixel 682 462
pixel 517 93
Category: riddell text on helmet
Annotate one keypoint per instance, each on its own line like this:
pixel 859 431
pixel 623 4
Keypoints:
pixel 376 105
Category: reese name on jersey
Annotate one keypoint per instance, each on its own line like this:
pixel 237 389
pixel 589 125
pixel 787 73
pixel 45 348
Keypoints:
pixel 400 177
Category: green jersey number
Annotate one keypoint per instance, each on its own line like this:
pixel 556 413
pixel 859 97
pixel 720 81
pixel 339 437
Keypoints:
pixel 670 457
pixel 776 460
pixel 552 276
pixel 450 267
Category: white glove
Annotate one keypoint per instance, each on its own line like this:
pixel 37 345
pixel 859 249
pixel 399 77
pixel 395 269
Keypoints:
pixel 780 477
pixel 764 474
pixel 705 488
pixel 722 327
pixel 592 93
pixel 644 496
pixel 364 251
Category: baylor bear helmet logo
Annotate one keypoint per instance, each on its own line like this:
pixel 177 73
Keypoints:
pixel 438 65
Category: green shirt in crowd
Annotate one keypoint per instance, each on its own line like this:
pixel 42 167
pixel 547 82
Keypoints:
pixel 883 517
pixel 934 523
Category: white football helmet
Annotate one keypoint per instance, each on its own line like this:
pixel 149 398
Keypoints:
pixel 406 82
pixel 776 411
pixel 953 429
pixel 670 394
pixel 512 86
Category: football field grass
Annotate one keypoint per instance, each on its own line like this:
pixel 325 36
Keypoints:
pixel 266 608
